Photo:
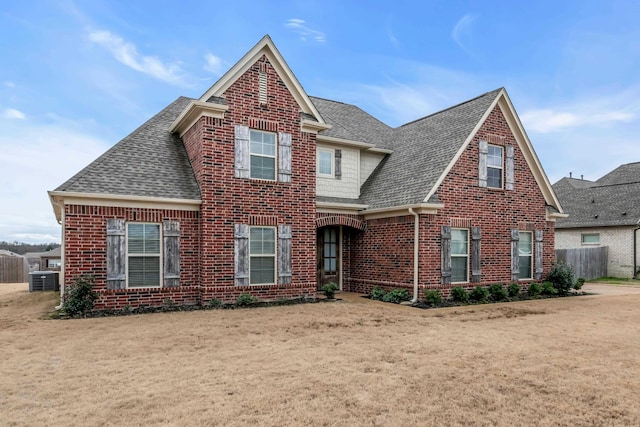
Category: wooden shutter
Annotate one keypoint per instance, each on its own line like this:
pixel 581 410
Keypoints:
pixel 515 255
pixel 171 253
pixel 475 254
pixel 482 164
pixel 116 254
pixel 446 255
pixel 242 153
pixel 509 172
pixel 284 254
pixel 284 152
pixel 539 253
pixel 241 254
pixel 337 157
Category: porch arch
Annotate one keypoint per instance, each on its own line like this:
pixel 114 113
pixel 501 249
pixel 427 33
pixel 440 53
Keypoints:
pixel 347 221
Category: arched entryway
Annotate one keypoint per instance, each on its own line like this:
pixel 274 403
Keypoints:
pixel 334 235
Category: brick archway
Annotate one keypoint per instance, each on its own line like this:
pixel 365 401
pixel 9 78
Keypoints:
pixel 347 221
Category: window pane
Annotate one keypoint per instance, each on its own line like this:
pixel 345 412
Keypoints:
pixel 143 238
pixel 263 143
pixel 263 167
pixel 525 246
pixel 262 241
pixel 262 270
pixel 459 241
pixel 325 163
pixel 494 177
pixel 144 271
pixel 525 267
pixel 494 157
pixel 459 269
pixel 590 238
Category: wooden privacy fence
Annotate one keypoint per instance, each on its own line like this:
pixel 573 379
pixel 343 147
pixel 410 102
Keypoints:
pixel 588 263
pixel 13 269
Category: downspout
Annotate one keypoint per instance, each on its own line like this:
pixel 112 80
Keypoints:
pixel 635 250
pixel 62 261
pixel 416 247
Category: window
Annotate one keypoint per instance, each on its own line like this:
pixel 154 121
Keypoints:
pixel 325 162
pixel 54 263
pixel 262 253
pixel 143 255
pixel 591 239
pixel 330 251
pixel 525 255
pixel 459 255
pixel 263 155
pixel 494 166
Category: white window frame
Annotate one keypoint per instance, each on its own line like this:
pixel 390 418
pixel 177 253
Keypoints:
pixel 465 255
pixel 495 167
pixel 274 157
pixel 332 162
pixel 274 256
pixel 583 235
pixel 530 256
pixel 158 255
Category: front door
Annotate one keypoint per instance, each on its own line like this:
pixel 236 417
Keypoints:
pixel 328 256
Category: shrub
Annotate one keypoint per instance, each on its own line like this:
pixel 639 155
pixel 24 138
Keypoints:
pixel 378 293
pixel 245 300
pixel 497 292
pixel 480 294
pixel 214 303
pixel 548 289
pixel 514 290
pixel 432 297
pixel 534 290
pixel 458 294
pixel 330 290
pixel 80 296
pixel 562 277
pixel 396 296
pixel 578 285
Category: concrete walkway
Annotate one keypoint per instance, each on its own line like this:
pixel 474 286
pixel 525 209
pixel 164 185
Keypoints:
pixel 606 289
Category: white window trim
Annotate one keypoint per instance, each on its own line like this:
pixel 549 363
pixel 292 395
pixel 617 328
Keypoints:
pixel 333 162
pixel 502 150
pixel 274 157
pixel 582 242
pixel 275 256
pixel 461 255
pixel 159 255
pixel 531 264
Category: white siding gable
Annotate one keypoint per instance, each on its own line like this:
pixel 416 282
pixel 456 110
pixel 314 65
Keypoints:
pixel 348 186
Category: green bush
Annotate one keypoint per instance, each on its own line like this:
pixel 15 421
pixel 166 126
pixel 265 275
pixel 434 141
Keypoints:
pixel 378 293
pixel 458 294
pixel 479 294
pixel 548 289
pixel 80 297
pixel 578 285
pixel 245 300
pixel 214 303
pixel 330 290
pixel 497 292
pixel 562 277
pixel 432 297
pixel 514 290
pixel 534 290
pixel 396 296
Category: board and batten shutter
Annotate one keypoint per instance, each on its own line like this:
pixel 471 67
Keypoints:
pixel 116 254
pixel 515 255
pixel 242 154
pixel 446 255
pixel 482 163
pixel 284 154
pixel 509 166
pixel 539 252
pixel 171 253
pixel 475 254
pixel 284 254
pixel 241 254
pixel 337 157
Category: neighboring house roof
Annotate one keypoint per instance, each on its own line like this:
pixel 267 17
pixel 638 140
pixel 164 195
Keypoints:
pixel 613 200
pixel 6 252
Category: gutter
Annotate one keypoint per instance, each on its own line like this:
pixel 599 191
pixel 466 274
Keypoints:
pixel 416 247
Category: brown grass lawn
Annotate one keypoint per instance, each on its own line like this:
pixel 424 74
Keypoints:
pixel 571 361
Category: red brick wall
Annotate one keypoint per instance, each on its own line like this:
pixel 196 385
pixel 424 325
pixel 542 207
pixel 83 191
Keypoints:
pixel 85 237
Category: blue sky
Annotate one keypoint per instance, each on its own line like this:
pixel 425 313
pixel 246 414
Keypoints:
pixel 77 76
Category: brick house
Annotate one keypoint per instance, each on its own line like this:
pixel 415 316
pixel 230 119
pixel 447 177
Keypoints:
pixel 258 188
pixel 605 212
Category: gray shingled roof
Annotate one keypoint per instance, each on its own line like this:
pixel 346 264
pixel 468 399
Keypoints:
pixel 421 152
pixel 613 200
pixel 148 162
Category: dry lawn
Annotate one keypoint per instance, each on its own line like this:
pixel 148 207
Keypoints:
pixel 568 362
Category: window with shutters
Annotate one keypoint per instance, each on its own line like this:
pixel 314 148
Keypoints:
pixel 459 255
pixel 325 162
pixel 262 255
pixel 262 155
pixel 143 255
pixel 525 255
pixel 494 166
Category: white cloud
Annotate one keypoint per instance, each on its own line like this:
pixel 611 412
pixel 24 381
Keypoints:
pixel 462 32
pixel 127 54
pixel 12 113
pixel 213 64
pixel 9 84
pixel 299 26
pixel 548 120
